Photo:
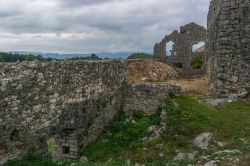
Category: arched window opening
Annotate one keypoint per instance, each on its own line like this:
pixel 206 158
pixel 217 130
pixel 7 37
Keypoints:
pixel 198 47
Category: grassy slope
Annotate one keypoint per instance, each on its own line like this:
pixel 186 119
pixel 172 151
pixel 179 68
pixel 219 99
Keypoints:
pixel 187 117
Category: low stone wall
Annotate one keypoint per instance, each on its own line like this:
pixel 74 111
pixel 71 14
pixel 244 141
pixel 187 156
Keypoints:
pixel 70 102
pixel 147 97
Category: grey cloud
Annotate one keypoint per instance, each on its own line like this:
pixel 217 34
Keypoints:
pixel 92 26
pixel 82 2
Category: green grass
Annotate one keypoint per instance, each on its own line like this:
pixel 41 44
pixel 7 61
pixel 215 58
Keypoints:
pixel 186 118
pixel 121 137
pixel 31 159
pixel 192 117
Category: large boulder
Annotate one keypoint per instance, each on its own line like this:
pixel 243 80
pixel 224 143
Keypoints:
pixel 202 141
pixel 83 159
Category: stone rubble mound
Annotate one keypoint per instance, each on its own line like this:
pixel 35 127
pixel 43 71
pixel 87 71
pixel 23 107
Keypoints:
pixel 150 71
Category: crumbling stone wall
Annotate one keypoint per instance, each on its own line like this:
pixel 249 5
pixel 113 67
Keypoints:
pixel 69 101
pixel 228 47
pixel 181 54
pixel 41 100
pixel 147 97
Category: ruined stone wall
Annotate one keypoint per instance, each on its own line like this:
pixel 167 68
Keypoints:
pixel 228 47
pixel 70 102
pixel 189 35
pixel 147 97
pixel 39 100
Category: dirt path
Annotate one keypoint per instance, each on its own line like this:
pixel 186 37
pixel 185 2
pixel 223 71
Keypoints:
pixel 156 72
pixel 198 83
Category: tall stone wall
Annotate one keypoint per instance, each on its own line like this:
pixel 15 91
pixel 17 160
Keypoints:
pixel 70 102
pixel 181 54
pixel 41 100
pixel 228 47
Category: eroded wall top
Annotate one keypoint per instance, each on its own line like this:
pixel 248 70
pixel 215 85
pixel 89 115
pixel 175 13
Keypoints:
pixel 183 41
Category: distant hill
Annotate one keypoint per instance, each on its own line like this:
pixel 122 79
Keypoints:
pixel 51 55
pixel 115 55
pixel 103 55
pixel 141 56
pixel 13 57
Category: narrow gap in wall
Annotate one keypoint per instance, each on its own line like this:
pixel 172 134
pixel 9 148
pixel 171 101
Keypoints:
pixel 198 50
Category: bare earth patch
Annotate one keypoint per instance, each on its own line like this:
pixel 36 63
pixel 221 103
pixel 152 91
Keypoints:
pixel 197 83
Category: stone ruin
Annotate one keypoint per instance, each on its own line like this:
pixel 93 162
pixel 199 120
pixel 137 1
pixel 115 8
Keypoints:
pixel 67 102
pixel 227 53
pixel 228 47
pixel 182 54
pixel 73 101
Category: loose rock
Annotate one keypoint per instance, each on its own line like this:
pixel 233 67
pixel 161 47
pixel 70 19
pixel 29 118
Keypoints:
pixel 202 141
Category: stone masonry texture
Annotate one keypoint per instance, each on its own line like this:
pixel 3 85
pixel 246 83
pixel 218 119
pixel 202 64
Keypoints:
pixel 228 47
pixel 70 102
pixel 182 54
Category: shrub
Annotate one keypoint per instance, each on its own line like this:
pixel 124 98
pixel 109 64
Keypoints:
pixel 197 62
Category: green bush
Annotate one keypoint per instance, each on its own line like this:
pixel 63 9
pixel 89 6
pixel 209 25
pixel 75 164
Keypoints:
pixel 141 56
pixel 197 62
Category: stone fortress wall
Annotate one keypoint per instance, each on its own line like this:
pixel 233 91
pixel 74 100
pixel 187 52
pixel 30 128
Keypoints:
pixel 181 53
pixel 73 101
pixel 228 47
pixel 69 101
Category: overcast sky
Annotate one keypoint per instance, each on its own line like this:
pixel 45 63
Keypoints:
pixel 83 26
